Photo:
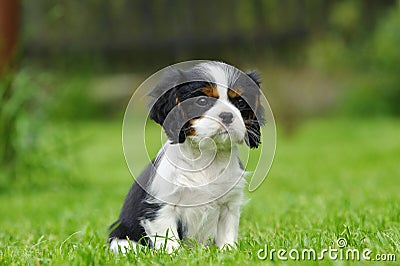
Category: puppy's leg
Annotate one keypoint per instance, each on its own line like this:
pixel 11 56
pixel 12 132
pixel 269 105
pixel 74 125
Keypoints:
pixel 163 229
pixel 227 227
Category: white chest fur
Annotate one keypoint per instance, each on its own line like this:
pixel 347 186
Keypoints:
pixel 188 177
pixel 206 200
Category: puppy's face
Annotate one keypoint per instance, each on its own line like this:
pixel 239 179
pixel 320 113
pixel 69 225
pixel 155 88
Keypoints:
pixel 212 100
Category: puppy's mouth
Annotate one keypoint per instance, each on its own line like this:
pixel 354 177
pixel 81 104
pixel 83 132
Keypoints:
pixel 225 135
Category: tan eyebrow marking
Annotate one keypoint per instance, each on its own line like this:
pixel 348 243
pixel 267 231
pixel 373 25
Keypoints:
pixel 210 91
pixel 233 93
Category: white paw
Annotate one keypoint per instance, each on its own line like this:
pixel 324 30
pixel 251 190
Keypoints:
pixel 171 246
pixel 121 245
pixel 168 246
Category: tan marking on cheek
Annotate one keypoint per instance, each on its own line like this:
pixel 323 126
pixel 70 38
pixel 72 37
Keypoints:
pixel 192 131
pixel 210 91
pixel 236 92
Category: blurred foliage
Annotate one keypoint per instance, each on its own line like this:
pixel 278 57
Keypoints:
pixel 71 47
pixel 371 61
pixel 71 97
pixel 346 17
pixel 376 88
pixel 39 145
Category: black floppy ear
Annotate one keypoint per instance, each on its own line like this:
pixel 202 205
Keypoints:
pixel 164 106
pixel 255 117
pixel 255 76
pixel 166 112
pixel 163 96
pixel 253 123
pixel 253 134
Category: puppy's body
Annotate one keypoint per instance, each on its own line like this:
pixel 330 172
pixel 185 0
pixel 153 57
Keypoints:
pixel 194 187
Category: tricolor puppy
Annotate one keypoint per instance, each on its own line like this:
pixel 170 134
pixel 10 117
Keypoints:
pixel 194 188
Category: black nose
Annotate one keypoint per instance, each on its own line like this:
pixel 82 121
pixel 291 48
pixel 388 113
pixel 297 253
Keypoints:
pixel 226 117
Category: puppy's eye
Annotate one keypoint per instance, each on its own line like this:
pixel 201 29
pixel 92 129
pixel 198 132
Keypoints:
pixel 241 103
pixel 202 101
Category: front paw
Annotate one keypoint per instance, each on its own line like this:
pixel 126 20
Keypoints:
pixel 167 245
pixel 171 246
pixel 121 245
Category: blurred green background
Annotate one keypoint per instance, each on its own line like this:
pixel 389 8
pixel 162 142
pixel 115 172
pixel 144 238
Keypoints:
pixel 76 61
pixel 330 70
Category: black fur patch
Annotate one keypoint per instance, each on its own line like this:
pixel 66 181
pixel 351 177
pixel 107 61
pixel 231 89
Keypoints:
pixel 136 208
pixel 181 230
pixel 177 106
pixel 252 115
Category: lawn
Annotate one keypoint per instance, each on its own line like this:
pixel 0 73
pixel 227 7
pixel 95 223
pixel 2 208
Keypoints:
pixel 333 178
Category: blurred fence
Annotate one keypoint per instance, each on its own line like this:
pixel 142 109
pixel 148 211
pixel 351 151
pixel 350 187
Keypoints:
pixel 126 25
pixel 159 29
pixel 168 29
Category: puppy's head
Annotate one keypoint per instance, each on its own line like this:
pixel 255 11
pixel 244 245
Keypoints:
pixel 211 100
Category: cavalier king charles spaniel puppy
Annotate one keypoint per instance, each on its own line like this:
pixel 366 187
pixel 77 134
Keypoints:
pixel 194 188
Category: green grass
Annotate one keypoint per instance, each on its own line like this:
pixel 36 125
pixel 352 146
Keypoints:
pixel 334 178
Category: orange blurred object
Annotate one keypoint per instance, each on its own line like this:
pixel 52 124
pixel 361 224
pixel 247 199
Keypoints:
pixel 9 32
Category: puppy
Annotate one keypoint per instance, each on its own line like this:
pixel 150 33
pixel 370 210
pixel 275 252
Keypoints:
pixel 194 188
